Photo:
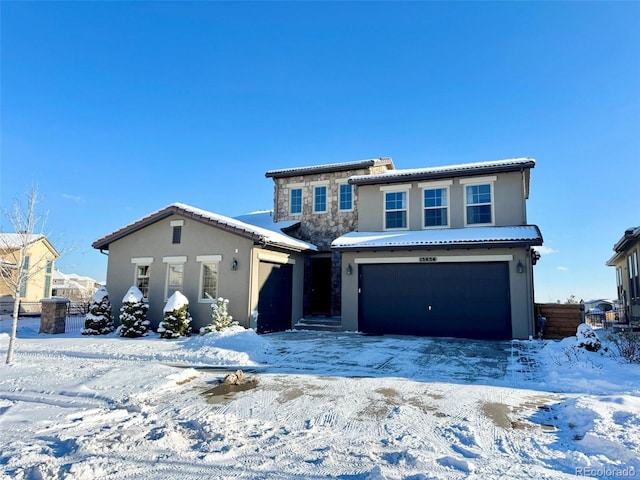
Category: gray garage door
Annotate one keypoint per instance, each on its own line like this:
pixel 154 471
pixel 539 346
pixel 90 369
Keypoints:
pixel 467 300
pixel 275 297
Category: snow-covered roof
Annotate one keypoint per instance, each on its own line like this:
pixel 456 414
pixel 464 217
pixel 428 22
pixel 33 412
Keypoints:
pixel 270 236
pixel 264 219
pixel 464 169
pixel 14 241
pixel 446 237
pixel 630 236
pixel 330 167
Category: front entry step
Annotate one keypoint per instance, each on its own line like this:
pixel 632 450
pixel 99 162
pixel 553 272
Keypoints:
pixel 320 323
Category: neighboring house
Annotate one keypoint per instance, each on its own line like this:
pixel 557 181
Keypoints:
pixel 205 256
pixel 626 262
pixel 444 251
pixel 39 260
pixel 74 287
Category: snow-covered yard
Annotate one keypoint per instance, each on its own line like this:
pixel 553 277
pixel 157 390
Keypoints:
pixel 327 405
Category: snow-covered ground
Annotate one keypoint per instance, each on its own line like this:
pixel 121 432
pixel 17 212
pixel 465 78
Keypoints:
pixel 326 405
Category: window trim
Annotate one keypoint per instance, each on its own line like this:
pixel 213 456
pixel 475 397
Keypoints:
pixel 394 189
pixel 296 188
pixel 208 260
pixel 326 198
pixel 173 260
pixel 137 262
pixel 478 181
pixel 445 184
pixel 341 184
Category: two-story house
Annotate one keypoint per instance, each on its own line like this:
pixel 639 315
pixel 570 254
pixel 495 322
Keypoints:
pixel 442 251
pixel 626 261
pixel 37 256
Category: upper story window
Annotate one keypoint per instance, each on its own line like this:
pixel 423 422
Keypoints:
pixel 295 201
pixel 320 199
pixel 346 197
pixel 176 234
pixel 479 201
pixel 436 204
pixel 395 209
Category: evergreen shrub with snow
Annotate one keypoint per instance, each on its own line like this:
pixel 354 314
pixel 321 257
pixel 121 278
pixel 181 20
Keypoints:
pixel 587 338
pixel 177 321
pixel 133 316
pixel 220 318
pixel 98 320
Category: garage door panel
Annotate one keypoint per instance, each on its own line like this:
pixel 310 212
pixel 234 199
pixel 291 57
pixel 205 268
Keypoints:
pixel 469 300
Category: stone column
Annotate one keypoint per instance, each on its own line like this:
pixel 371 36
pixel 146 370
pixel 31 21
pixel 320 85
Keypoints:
pixel 54 315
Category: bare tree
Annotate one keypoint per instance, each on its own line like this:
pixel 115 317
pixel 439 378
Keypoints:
pixel 14 248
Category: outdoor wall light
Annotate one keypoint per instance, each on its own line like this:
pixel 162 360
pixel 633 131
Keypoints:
pixel 349 269
pixel 234 264
pixel 520 267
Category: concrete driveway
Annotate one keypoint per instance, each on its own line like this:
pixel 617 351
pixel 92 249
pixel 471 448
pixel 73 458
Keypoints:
pixel 418 358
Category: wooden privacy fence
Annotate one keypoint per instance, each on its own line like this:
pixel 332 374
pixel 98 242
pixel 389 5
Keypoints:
pixel 562 319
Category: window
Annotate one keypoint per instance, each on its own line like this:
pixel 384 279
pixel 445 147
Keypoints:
pixel 177 234
pixel 634 278
pixel 346 197
pixel 47 279
pixel 479 208
pixel 320 199
pixel 142 279
pixel 25 270
pixel 176 231
pixel 175 278
pixel 436 212
pixel 209 281
pixel 295 201
pixel 395 210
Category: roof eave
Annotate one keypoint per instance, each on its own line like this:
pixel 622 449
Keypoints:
pixel 294 172
pixel 103 243
pixel 414 177
pixel 443 246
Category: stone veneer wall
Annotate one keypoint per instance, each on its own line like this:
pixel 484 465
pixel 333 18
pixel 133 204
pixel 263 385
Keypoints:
pixel 321 228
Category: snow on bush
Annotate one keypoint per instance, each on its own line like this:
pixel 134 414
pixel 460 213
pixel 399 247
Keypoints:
pixel 133 316
pixel 98 320
pixel 177 321
pixel 628 345
pixel 220 318
pixel 587 338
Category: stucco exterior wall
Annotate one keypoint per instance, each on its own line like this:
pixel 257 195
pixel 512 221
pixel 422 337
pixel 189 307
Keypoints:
pixel 154 241
pixel 521 284
pixel 39 254
pixel 508 199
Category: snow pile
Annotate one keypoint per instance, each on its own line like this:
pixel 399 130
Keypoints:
pixel 327 405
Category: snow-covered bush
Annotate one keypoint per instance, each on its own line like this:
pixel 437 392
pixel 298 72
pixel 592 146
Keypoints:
pixel 177 321
pixel 98 320
pixel 133 316
pixel 220 318
pixel 587 338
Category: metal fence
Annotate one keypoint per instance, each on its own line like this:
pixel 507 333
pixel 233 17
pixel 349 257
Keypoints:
pixel 74 322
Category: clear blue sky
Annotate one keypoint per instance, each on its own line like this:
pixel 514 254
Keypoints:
pixel 116 109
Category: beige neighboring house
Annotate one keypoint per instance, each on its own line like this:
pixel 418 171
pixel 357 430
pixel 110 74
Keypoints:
pixel 40 258
pixel 75 287
pixel 626 261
